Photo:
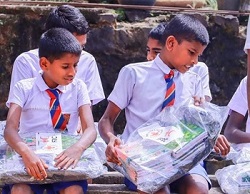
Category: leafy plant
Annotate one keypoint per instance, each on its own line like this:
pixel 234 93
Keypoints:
pixel 120 14
pixel 212 3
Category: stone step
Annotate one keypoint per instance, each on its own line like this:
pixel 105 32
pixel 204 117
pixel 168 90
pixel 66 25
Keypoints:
pixel 108 189
pixel 111 177
pixel 112 183
pixel 122 189
pixel 114 177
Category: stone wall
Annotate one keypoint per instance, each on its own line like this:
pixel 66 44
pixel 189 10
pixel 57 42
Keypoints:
pixel 118 37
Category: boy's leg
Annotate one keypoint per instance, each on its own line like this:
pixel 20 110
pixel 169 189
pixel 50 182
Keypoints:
pixel 76 187
pixel 164 190
pixel 195 181
pixel 24 188
pixel 21 189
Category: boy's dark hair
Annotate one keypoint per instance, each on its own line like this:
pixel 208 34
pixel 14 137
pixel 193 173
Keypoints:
pixel 157 32
pixel 56 42
pixel 186 27
pixel 68 17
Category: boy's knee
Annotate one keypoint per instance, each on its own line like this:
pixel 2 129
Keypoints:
pixel 21 189
pixel 192 184
pixel 197 189
pixel 76 189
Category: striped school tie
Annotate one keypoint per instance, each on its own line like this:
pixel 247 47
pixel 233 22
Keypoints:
pixel 170 92
pixel 58 121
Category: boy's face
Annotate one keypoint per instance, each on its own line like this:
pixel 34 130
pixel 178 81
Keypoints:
pixel 82 39
pixel 153 48
pixel 61 71
pixel 181 56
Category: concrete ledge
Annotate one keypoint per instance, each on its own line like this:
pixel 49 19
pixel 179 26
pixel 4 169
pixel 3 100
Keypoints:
pixel 122 189
pixel 112 183
pixel 108 189
pixel 111 177
pixel 114 177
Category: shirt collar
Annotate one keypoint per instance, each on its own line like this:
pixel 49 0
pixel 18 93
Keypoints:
pixel 164 67
pixel 43 86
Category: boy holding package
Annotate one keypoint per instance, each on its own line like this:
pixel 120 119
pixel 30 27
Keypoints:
pixel 52 101
pixel 143 92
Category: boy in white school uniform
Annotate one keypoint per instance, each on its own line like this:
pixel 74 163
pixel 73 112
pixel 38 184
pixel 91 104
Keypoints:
pixel 27 65
pixel 52 101
pixel 154 47
pixel 240 104
pixel 238 109
pixel 247 50
pixel 140 90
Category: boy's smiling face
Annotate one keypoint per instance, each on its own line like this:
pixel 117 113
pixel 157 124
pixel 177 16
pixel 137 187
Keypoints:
pixel 61 71
pixel 181 56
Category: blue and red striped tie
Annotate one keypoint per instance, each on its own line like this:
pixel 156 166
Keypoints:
pixel 58 121
pixel 170 92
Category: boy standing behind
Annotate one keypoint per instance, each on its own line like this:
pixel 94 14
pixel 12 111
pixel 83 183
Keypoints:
pixel 26 65
pixel 143 92
pixel 30 105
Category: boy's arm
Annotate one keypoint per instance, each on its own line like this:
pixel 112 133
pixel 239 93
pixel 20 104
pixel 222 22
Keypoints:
pixel 248 78
pixel 247 50
pixel 106 130
pixel 106 123
pixel 34 166
pixel 233 130
pixel 72 155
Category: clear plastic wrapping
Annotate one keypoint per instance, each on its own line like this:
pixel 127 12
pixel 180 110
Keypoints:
pixel 169 145
pixel 235 179
pixel 13 171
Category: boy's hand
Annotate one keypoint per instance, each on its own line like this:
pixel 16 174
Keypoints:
pixel 110 150
pixel 198 101
pixel 68 157
pixel 35 166
pixel 222 146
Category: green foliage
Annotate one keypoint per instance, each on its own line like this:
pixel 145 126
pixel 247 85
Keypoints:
pixel 120 14
pixel 212 4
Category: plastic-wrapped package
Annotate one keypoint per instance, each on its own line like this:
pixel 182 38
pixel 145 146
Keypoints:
pixel 239 153
pixel 234 179
pixel 169 145
pixel 13 171
pixel 100 146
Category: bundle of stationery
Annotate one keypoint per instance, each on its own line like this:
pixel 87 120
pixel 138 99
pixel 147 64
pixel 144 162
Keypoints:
pixel 47 146
pixel 169 145
pixel 235 179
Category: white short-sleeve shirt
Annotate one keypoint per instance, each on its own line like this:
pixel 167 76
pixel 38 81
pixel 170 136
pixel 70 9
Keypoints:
pixel 202 70
pixel 31 95
pixel 238 102
pixel 140 90
pixel 27 65
pixel 247 43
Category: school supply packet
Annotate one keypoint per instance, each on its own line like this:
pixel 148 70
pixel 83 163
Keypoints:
pixel 234 179
pixel 169 145
pixel 239 153
pixel 47 146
